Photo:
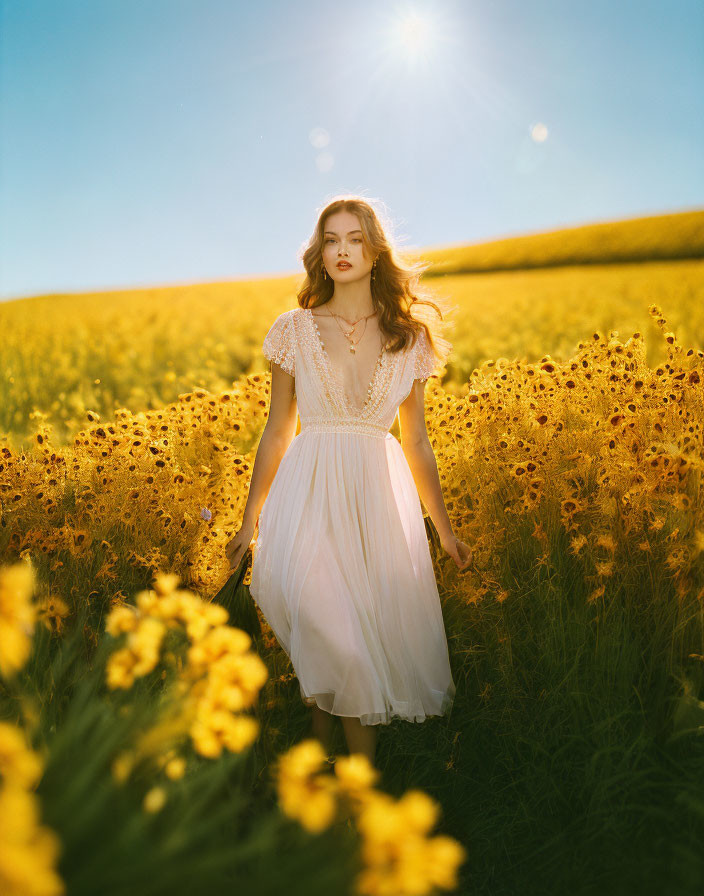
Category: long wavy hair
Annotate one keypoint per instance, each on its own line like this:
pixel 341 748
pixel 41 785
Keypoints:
pixel 403 306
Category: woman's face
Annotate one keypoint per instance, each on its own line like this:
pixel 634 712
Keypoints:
pixel 343 242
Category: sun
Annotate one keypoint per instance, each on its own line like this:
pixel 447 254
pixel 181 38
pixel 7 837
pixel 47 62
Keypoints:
pixel 413 33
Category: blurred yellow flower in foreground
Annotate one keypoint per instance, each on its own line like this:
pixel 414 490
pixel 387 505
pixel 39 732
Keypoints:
pixel 28 849
pixel 18 764
pixel 355 774
pixel 303 795
pixel 139 657
pixel 221 676
pixel 154 799
pixel 17 616
pixel 175 768
pixel 400 859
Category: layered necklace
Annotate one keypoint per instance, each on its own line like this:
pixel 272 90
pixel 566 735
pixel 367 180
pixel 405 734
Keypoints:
pixel 351 324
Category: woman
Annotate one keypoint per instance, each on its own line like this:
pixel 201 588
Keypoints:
pixel 341 567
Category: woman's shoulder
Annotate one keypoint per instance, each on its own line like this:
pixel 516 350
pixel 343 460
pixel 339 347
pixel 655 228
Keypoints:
pixel 279 342
pixel 430 354
pixel 285 316
pixel 282 322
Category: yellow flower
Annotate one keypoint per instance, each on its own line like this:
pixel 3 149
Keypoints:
pixel 309 798
pixel 676 558
pixel 302 759
pixel 698 542
pixel 577 542
pixel 147 601
pixel 380 822
pixel 419 811
pixel 442 858
pixel 52 611
pixel 398 857
pixel 355 774
pixel 570 506
pixel 121 619
pixel 139 657
pixel 122 766
pixel 240 732
pixel 165 583
pixel 17 616
pixel 312 802
pixel 217 643
pixel 119 671
pixel 29 850
pixel 19 764
pixel 221 677
pixel 167 608
pixel 146 643
pixel 200 616
pixel 606 540
pixel 175 768
pixel 154 800
pixel 205 741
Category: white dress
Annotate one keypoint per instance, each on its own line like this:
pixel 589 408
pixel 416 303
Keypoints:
pixel 341 567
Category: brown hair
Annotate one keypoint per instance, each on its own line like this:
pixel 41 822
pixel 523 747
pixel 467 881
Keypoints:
pixel 396 293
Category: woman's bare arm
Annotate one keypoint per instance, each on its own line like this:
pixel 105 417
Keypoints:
pixel 278 433
pixel 421 458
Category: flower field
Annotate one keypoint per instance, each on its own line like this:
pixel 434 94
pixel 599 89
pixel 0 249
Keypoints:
pixel 149 744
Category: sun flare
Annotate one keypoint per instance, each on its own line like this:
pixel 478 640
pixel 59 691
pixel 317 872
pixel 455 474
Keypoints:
pixel 414 33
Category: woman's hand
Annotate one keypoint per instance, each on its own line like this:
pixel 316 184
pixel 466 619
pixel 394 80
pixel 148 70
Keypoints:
pixel 460 552
pixel 234 549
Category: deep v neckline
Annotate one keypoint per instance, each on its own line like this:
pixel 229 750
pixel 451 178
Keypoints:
pixel 332 372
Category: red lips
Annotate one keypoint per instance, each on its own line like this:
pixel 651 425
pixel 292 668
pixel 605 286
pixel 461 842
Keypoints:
pixel 344 264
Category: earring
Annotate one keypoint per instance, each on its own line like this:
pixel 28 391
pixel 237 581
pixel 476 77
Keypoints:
pixel 373 266
pixel 325 273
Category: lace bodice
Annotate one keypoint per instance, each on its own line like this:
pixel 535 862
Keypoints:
pixel 294 342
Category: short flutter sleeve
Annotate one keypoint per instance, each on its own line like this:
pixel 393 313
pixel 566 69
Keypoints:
pixel 426 360
pixel 279 343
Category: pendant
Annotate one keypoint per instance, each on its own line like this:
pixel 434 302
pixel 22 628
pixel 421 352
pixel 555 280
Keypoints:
pixel 352 349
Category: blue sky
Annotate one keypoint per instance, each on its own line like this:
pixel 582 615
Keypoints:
pixel 151 142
